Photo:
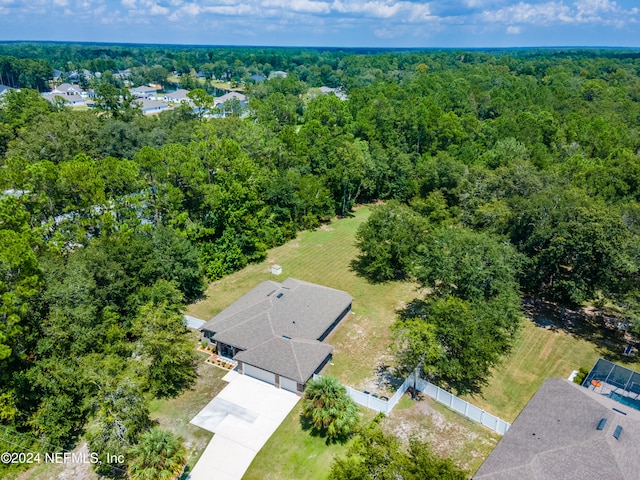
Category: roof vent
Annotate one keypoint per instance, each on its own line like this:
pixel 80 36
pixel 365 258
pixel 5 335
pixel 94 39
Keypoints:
pixel 617 432
pixel 602 423
pixel 284 336
pixel 279 295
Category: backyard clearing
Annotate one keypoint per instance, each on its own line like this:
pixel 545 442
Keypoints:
pixel 548 346
pixel 323 256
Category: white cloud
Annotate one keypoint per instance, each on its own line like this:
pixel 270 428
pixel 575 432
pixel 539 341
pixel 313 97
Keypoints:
pixel 541 14
pixel 603 12
pixel 129 3
pixel 511 30
pixel 306 6
pixel 61 3
pixel 373 9
pixel 158 10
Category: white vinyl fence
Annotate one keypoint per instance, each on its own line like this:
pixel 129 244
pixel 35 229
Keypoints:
pixel 463 407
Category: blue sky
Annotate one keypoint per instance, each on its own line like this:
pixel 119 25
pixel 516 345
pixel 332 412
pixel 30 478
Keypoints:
pixel 348 23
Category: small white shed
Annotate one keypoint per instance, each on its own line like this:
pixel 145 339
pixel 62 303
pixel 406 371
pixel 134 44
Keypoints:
pixel 276 269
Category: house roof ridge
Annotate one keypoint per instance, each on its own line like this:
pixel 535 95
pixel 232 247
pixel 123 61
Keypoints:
pixel 295 357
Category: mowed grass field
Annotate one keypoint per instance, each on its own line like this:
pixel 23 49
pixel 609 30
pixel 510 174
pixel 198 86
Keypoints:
pixel 542 352
pixel 323 256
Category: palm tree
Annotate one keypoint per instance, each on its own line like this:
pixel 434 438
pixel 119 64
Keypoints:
pixel 159 455
pixel 329 408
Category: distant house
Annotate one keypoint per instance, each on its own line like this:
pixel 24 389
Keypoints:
pixel 277 74
pixel 568 432
pixel 4 89
pixel 89 93
pixel 240 97
pixel 150 107
pixel 123 73
pixel 74 100
pixel 257 78
pixel 338 92
pixel 276 331
pixel 143 91
pixel 66 89
pixel 223 102
pixel 177 97
pixel 68 99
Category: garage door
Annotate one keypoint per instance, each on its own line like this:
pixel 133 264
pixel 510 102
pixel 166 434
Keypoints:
pixel 260 374
pixel 290 385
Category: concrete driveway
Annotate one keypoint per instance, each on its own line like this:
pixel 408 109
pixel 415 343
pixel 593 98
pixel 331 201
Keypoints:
pixel 242 416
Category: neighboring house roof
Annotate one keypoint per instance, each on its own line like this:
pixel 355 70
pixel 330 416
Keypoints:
pixel 556 436
pixel 177 96
pixel 70 99
pixel 4 89
pixel 280 326
pixel 278 74
pixel 257 78
pixel 151 106
pixel 290 358
pixel 74 99
pixel 67 89
pixel 230 96
pixel 143 91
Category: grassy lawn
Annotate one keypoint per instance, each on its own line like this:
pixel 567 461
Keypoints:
pixel 296 454
pixel 542 351
pixel 323 256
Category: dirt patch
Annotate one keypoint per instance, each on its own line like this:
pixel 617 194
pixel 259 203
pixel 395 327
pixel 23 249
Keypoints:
pixel 449 434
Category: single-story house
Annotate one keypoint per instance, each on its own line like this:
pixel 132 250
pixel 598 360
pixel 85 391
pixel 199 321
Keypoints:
pixel 277 74
pixel 257 78
pixel 66 89
pixel 567 432
pixel 240 97
pixel 123 73
pixel 144 92
pixel 149 107
pixel 276 332
pixel 224 103
pixel 338 92
pixel 4 89
pixel 177 96
pixel 69 100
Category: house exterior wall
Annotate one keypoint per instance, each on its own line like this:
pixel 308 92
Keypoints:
pixel 335 323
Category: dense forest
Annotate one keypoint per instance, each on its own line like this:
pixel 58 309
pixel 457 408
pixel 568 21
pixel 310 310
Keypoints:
pixel 501 174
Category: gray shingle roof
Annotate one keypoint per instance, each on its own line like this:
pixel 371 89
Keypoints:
pixel 556 437
pixel 292 308
pixel 278 326
pixel 290 358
